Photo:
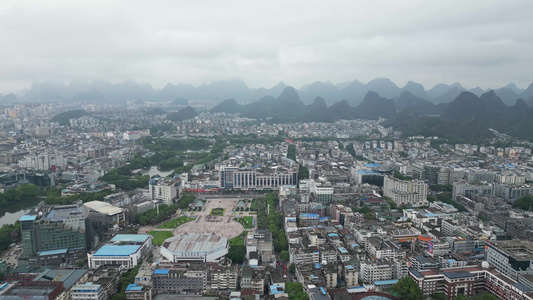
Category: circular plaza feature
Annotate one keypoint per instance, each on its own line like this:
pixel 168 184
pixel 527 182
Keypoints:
pixel 195 247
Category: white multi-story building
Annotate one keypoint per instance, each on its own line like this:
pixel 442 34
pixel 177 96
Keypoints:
pixel 164 189
pixel 468 190
pixel 403 192
pixel 350 276
pixel 301 255
pixel 511 258
pixel 42 161
pixel 378 248
pixel 236 178
pixel 88 291
pixel 319 191
pixel 124 250
pixel 375 270
pixel 131 135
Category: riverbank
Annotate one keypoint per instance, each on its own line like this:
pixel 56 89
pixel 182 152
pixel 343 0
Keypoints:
pixel 10 213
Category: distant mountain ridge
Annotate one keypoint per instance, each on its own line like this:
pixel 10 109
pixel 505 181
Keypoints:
pixel 353 92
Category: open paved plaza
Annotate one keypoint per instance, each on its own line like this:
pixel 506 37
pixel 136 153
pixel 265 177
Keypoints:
pixel 221 225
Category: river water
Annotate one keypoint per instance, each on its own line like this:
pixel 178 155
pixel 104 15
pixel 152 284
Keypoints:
pixel 10 213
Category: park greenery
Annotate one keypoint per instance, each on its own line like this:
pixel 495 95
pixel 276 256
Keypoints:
pixel 524 202
pixel 271 220
pixel 237 253
pixel 406 288
pixel 126 279
pixel 168 154
pixel 400 176
pixel 22 192
pixel 53 196
pixel 159 237
pixel 174 223
pixel 267 218
pixel 250 139
pixel 238 240
pixel 123 179
pixel 64 117
pixel 151 217
pixel 9 234
pixel 303 172
pixel 50 195
pixel 247 221
pixel 179 145
pixel 291 152
pixel 295 291
pixel 237 250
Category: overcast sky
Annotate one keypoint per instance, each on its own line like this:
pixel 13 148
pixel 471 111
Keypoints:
pixel 478 43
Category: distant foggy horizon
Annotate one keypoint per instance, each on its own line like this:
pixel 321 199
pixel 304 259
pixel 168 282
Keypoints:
pixel 21 91
pixel 482 44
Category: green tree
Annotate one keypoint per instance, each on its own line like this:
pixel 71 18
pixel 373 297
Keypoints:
pixel 406 288
pixel 237 253
pixel 350 149
pixel 369 216
pixel 461 297
pixel 295 291
pixel 126 279
pixel 303 172
pixel 292 268
pixel 524 202
pixel 438 296
pixel 291 152
pixel 284 255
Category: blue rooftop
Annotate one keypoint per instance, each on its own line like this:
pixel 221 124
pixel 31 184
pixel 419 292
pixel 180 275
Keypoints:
pixel 365 172
pixel 386 282
pixel 309 216
pixel 133 238
pixel 372 165
pixel 317 266
pixel 349 267
pixel 323 219
pixel 134 287
pixel 28 218
pixel 274 289
pixel 117 250
pixel 52 252
pixel 332 234
pixel 343 250
pixel 161 272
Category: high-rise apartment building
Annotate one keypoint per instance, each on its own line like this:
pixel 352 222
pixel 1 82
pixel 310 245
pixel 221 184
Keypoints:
pixel 406 192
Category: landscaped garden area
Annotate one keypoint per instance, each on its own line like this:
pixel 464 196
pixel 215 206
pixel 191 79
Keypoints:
pixel 247 222
pixel 160 236
pixel 176 222
pixel 239 240
pixel 218 211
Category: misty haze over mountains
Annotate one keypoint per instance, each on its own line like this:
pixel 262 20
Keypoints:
pixel 448 111
pixel 353 92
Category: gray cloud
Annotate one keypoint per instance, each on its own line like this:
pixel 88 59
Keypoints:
pixel 478 43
